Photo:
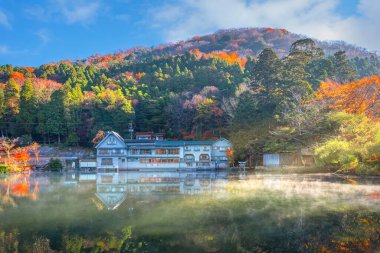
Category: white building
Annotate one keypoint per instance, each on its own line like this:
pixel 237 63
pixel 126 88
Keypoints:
pixel 113 152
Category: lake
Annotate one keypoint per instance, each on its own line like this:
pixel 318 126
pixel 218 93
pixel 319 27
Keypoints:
pixel 188 212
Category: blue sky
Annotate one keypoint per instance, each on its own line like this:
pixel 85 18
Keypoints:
pixel 43 31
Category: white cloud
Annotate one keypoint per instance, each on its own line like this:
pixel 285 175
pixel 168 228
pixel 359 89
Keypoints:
pixel 315 18
pixel 75 11
pixel 4 21
pixel 71 11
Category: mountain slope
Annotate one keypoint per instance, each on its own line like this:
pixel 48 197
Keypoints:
pixel 245 41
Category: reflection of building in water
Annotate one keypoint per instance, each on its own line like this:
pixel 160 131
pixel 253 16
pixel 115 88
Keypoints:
pixel 110 190
pixel 113 188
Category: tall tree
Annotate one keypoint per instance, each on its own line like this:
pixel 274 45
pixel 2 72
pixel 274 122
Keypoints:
pixel 55 116
pixel 2 110
pixel 343 70
pixel 12 104
pixel 27 115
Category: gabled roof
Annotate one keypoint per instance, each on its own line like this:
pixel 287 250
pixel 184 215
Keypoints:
pixel 108 134
pixel 112 200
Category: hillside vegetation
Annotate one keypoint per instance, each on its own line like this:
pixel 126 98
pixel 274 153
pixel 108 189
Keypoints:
pixel 259 87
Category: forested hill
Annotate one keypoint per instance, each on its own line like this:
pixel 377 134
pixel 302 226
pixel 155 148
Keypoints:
pixel 206 87
pixel 249 42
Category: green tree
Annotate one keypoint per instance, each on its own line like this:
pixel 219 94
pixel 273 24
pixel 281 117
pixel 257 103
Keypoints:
pixel 267 79
pixel 353 146
pixel 55 116
pixel 2 110
pixel 12 105
pixel 54 165
pixel 343 70
pixel 27 115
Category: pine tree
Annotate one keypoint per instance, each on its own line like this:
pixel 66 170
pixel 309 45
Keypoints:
pixel 343 70
pixel 12 105
pixel 27 115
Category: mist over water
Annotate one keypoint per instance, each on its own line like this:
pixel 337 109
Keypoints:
pixel 188 212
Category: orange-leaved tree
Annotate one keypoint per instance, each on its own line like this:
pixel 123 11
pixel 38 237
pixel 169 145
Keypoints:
pixel 232 57
pixel 98 137
pixel 230 154
pixel 21 155
pixel 362 96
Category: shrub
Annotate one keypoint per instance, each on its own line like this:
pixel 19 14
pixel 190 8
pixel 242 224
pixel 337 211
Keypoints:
pixel 4 169
pixel 54 165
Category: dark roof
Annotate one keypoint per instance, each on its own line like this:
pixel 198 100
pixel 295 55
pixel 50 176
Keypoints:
pixel 134 141
pixel 182 143
pixel 167 143
pixel 130 142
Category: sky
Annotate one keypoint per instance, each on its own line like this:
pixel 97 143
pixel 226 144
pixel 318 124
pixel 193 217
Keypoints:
pixel 43 31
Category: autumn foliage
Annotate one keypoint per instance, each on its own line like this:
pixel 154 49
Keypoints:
pixel 17 75
pixel 17 158
pixel 232 57
pixel 361 96
pixel 21 155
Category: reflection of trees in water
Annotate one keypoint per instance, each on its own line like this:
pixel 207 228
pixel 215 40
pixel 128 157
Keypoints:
pixel 261 215
pixel 227 229
pixel 123 241
pixel 17 185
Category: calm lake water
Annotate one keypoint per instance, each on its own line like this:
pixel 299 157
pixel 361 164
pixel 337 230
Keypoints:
pixel 188 212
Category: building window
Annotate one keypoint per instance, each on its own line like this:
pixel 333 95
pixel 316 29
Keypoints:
pixel 161 151
pixel 135 151
pixel 117 151
pixel 106 161
pixel 206 148
pixel 189 158
pixel 222 148
pixel 173 151
pixel 187 148
pixel 111 141
pixel 204 157
pixel 167 151
pixel 146 160
pixel 196 148
pixel 103 152
pixel 145 151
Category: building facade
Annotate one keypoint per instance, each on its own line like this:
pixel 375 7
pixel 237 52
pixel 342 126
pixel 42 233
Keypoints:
pixel 113 152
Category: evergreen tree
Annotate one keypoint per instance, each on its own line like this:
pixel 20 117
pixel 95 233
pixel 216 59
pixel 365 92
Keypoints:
pixel 12 105
pixel 27 115
pixel 343 70
pixel 55 116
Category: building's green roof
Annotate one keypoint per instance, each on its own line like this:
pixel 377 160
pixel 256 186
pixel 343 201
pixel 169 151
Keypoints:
pixel 183 143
